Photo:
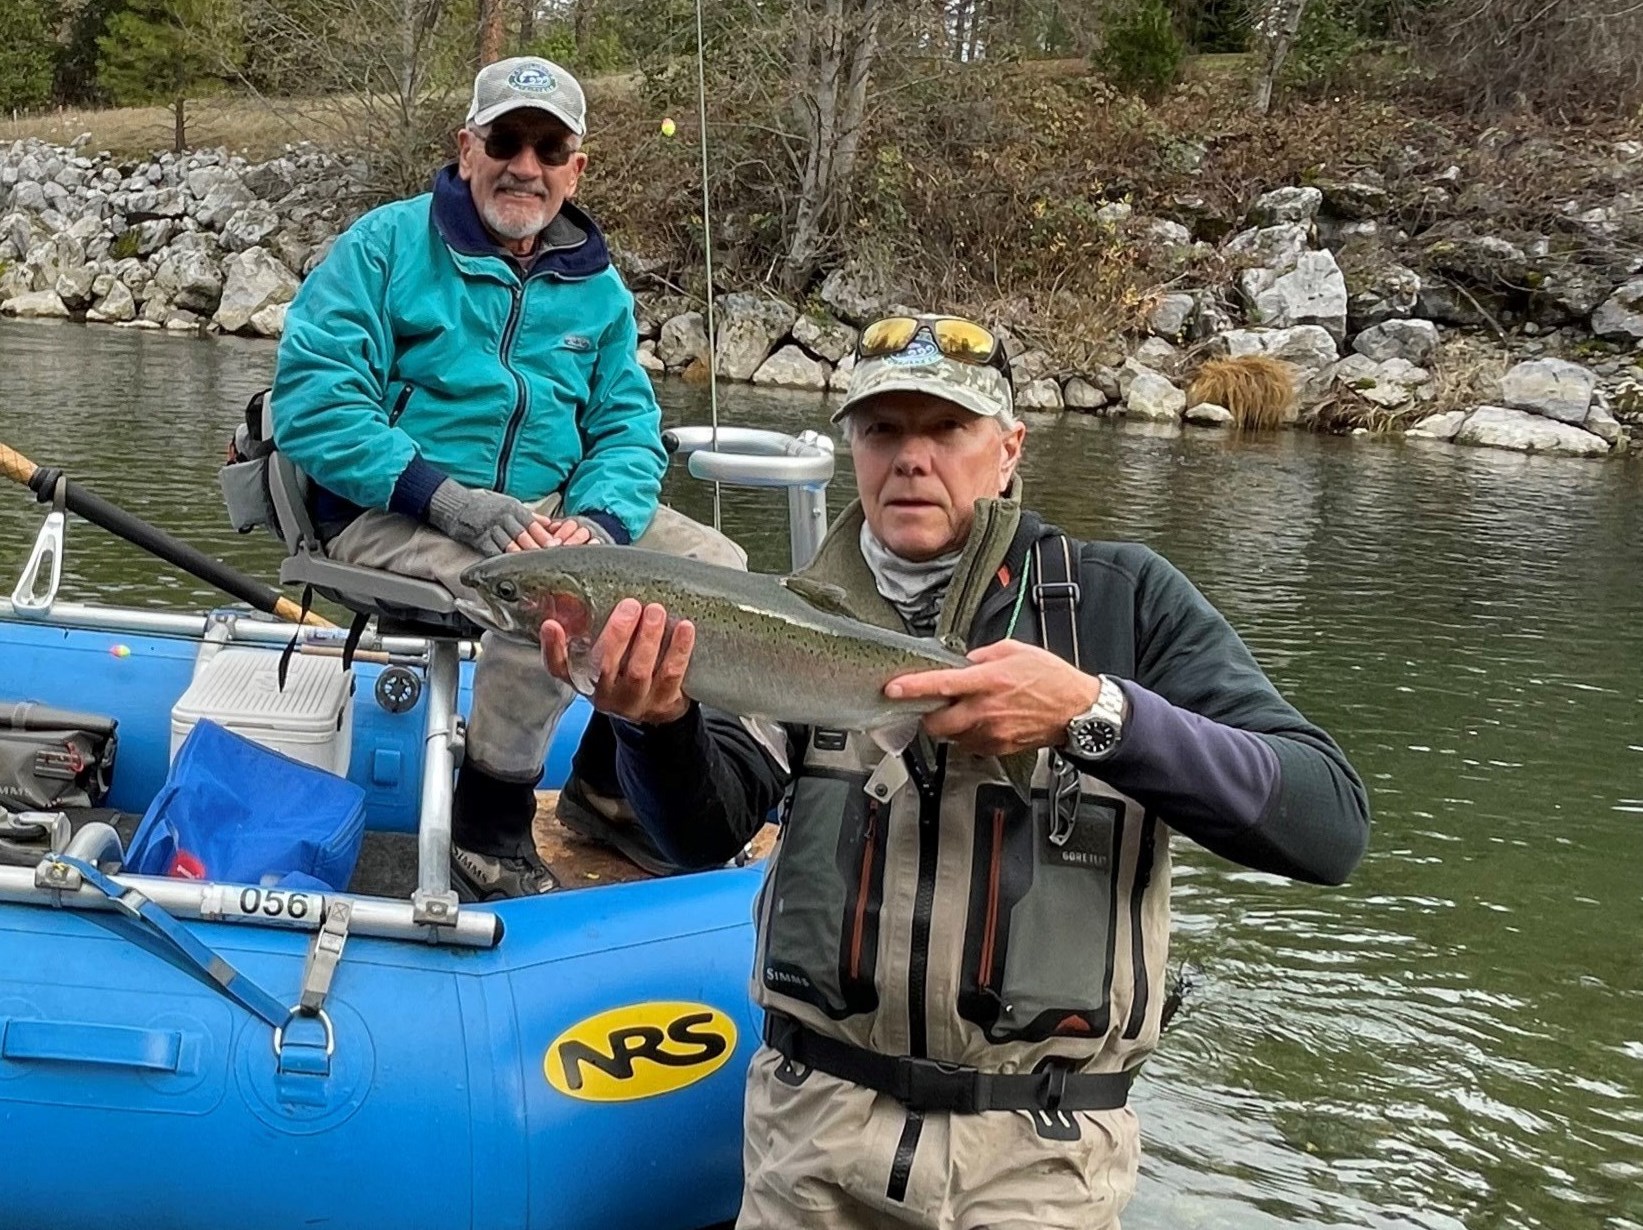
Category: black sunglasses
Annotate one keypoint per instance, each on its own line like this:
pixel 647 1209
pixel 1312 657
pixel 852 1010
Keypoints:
pixel 504 146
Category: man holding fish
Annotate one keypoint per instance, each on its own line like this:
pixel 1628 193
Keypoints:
pixel 963 934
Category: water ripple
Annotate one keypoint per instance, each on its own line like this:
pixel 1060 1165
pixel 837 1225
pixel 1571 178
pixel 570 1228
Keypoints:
pixel 1453 1040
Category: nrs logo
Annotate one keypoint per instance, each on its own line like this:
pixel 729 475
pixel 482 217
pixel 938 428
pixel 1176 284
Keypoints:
pixel 639 1051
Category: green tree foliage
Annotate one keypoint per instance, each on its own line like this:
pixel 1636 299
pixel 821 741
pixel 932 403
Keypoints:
pixel 1330 35
pixel 26 54
pixel 83 22
pixel 1142 52
pixel 601 51
pixel 168 51
pixel 1213 26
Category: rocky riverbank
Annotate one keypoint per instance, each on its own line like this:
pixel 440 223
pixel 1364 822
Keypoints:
pixel 1513 341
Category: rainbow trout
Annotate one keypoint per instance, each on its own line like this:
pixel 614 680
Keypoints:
pixel 780 648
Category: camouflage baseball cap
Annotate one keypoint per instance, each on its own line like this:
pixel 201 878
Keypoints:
pixel 528 81
pixel 922 368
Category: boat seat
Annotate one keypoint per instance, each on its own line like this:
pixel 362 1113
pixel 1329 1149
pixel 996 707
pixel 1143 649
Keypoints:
pixel 403 605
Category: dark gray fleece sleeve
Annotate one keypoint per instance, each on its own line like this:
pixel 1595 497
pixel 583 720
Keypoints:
pixel 701 786
pixel 1215 750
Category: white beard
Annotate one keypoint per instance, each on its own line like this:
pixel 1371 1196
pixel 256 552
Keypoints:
pixel 516 223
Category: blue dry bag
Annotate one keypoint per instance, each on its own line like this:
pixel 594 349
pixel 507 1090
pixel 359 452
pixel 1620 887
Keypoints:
pixel 249 815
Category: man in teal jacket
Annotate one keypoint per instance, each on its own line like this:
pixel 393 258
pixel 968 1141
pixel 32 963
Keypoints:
pixel 459 377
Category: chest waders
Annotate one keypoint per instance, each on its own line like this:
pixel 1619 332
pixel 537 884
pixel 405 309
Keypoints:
pixel 796 933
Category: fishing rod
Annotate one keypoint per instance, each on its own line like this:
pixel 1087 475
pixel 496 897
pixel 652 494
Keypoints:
pixel 122 524
pixel 707 253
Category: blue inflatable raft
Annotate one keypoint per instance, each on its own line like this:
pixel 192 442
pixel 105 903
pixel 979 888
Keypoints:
pixel 571 1060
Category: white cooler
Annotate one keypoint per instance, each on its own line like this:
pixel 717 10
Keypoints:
pixel 311 720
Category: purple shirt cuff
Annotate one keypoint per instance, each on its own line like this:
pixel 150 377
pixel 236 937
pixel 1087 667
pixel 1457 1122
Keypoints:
pixel 1189 767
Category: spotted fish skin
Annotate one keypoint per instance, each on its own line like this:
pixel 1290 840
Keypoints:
pixel 762 650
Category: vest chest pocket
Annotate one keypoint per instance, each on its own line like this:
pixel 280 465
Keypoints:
pixel 822 915
pixel 1038 956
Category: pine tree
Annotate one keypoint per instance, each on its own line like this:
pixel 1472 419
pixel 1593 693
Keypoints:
pixel 26 55
pixel 167 51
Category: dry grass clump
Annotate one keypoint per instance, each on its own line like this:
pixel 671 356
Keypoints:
pixel 1344 410
pixel 1257 389
pixel 1466 371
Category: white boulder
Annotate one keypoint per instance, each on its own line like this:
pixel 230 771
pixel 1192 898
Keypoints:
pixel 1438 426
pixel 34 303
pixel 1153 398
pixel 1079 394
pixel 1414 340
pixel 254 279
pixel 1500 427
pixel 683 341
pixel 1554 388
pixel 1044 394
pixel 1208 414
pixel 791 368
pixel 824 336
pixel 1620 316
pixel 749 328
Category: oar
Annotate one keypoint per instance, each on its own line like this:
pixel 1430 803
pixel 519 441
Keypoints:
pixel 157 542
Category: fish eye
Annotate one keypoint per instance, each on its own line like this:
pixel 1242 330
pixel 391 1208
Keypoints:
pixel 507 591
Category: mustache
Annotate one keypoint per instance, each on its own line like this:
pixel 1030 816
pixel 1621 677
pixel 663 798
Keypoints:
pixel 508 182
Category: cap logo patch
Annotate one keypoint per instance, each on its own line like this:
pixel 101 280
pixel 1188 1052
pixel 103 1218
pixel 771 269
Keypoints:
pixel 533 80
pixel 920 352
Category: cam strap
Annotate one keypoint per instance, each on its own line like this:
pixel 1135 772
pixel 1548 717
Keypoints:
pixel 350 646
pixel 927 1085
pixel 140 919
pixel 324 954
pixel 296 636
pixel 1057 594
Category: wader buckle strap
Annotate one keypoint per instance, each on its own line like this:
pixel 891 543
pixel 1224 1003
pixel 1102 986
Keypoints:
pixel 928 1085
pixel 1057 597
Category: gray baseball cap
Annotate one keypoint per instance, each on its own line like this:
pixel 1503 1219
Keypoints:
pixel 922 368
pixel 528 81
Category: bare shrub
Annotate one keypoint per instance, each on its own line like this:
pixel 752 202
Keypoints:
pixel 403 68
pixel 1575 55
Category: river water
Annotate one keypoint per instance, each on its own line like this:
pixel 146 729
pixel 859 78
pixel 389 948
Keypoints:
pixel 1455 1039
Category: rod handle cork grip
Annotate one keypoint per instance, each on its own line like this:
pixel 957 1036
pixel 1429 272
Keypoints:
pixel 15 466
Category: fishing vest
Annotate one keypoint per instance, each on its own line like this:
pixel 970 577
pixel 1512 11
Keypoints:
pixel 917 905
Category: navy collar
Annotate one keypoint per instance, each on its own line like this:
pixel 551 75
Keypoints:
pixel 457 219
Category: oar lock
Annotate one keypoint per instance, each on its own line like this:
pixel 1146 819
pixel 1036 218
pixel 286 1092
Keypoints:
pixel 49 486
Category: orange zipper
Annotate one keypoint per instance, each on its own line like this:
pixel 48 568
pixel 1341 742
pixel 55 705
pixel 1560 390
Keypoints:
pixel 863 886
pixel 990 929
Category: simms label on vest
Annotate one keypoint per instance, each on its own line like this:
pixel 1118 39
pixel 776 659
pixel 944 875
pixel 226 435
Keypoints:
pixel 639 1051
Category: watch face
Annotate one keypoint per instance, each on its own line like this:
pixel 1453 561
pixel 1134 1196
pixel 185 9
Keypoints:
pixel 1095 737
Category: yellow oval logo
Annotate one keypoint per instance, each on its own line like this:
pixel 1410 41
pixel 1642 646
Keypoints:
pixel 639 1051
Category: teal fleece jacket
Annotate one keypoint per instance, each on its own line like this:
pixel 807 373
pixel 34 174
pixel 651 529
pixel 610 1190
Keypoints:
pixel 415 352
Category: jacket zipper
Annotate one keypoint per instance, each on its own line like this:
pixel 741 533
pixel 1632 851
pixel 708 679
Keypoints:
pixel 400 402
pixel 1138 945
pixel 989 931
pixel 505 353
pixel 929 810
pixel 863 886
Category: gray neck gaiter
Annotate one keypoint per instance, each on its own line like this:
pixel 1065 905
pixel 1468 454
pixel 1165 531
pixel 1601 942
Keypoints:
pixel 914 589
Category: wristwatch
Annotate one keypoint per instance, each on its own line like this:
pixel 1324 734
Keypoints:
pixel 1096 733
